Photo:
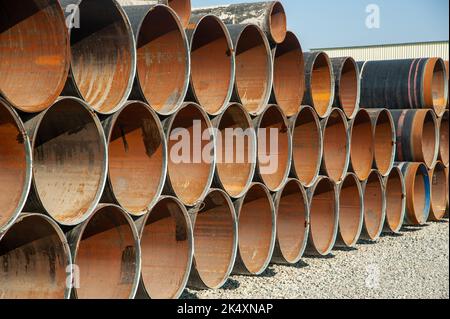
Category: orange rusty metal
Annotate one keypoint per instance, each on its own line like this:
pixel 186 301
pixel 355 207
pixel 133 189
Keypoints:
pixel 434 85
pixel 438 184
pixel 443 139
pixel 35 53
pixel 395 192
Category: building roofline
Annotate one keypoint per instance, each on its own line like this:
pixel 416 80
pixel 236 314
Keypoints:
pixel 379 45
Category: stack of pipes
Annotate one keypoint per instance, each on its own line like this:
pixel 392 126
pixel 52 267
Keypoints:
pixel 118 175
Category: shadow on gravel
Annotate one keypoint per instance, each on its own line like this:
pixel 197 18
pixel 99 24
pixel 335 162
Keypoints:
pixel 270 272
pixel 330 256
pixel 301 264
pixel 367 242
pixel 413 229
pixel 231 284
pixel 346 249
pixel 188 295
pixel 394 235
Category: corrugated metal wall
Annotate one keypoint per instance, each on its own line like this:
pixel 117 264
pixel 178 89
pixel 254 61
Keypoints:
pixel 387 52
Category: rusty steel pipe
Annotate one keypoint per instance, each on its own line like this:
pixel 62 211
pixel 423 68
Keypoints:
pixel 324 217
pixel 418 193
pixel 35 260
pixel 347 85
pixel 254 67
pixel 215 241
pixel 438 184
pixel 395 193
pixel 15 165
pixel 163 59
pixel 417 136
pixel 270 16
pixel 137 158
pixel 384 140
pixel 288 75
pixel 212 64
pixel 374 207
pixel 351 211
pixel 319 83
pixel 257 230
pixel 307 146
pixel 35 53
pixel 103 54
pixel 404 84
pixel 69 161
pixel 336 146
pixel 292 211
pixel 167 250
pixel 236 147
pixel 274 148
pixel 443 139
pixel 447 176
pixel 192 154
pixel 361 144
pixel 107 254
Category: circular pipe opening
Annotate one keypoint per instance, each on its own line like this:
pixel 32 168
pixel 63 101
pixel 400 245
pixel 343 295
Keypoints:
pixel 274 148
pixel 322 84
pixel 429 139
pixel 15 166
pixel 439 90
pixel 324 216
pixel 289 75
pixel 418 193
pixel 35 53
pixel 336 149
pixel 182 9
pixel 349 89
pixel 374 206
pixel 212 64
pixel 163 79
pixel 443 145
pixel 256 229
pixel 107 254
pixel 191 154
pixel 254 69
pixel 69 161
pixel 236 150
pixel 167 249
pixel 292 221
pixel 215 239
pixel 395 200
pixel 351 210
pixel 278 22
pixel 361 146
pixel 307 146
pixel 35 257
pixel 438 192
pixel 137 157
pixel 384 142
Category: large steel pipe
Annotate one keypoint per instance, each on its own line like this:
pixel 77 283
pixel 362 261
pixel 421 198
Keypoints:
pixel 215 241
pixel 351 211
pixel 324 217
pixel 361 145
pixel 212 63
pixel 438 184
pixel 443 139
pixel 319 83
pixel 192 154
pixel 348 85
pixel 35 53
pixel 137 158
pixel 103 54
pixel 69 161
pixel 336 146
pixel 288 75
pixel 35 260
pixel 15 165
pixel 274 148
pixel 384 140
pixel 307 146
pixel 417 136
pixel 292 211
pixel 236 147
pixel 404 84
pixel 374 207
pixel 163 59
pixel 257 228
pixel 395 192
pixel 106 251
pixel 254 67
pixel 167 250
pixel 269 16
pixel 418 193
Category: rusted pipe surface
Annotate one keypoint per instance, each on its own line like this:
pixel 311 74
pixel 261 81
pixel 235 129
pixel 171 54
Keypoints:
pixel 347 88
pixel 395 192
pixel 374 207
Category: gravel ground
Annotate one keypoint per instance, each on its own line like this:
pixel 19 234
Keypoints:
pixel 414 264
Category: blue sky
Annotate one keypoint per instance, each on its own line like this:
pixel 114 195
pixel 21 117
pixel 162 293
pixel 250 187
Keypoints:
pixel 333 23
